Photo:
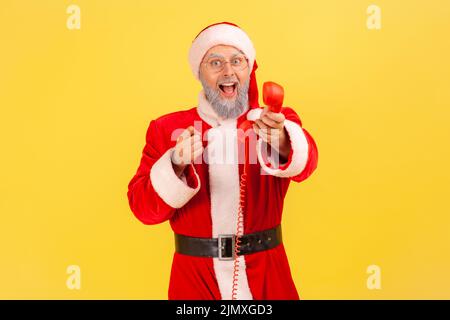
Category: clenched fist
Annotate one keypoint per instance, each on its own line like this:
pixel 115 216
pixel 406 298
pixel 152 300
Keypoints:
pixel 188 147
pixel 270 127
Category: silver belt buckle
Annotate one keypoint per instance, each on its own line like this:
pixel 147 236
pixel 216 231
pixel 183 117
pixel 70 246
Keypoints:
pixel 221 246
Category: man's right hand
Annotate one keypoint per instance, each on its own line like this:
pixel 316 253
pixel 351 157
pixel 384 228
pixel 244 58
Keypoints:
pixel 188 147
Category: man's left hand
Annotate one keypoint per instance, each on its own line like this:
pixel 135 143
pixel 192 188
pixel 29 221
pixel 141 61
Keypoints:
pixel 270 127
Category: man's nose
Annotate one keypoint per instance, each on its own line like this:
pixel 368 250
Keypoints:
pixel 228 71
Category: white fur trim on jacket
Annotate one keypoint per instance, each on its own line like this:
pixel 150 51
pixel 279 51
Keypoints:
pixel 299 146
pixel 224 188
pixel 168 186
pixel 219 34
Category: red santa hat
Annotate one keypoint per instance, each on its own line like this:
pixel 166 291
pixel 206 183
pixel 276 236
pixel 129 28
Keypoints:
pixel 225 33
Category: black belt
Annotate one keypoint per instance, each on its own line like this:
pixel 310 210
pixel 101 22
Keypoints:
pixel 209 247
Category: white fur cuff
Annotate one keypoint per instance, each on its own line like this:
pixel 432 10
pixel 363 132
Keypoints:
pixel 299 146
pixel 167 185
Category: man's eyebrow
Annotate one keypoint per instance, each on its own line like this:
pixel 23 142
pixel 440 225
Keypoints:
pixel 237 54
pixel 216 55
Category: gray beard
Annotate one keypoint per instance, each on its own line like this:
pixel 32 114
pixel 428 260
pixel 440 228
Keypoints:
pixel 225 108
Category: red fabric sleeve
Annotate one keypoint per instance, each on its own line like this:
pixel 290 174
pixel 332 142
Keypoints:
pixel 313 155
pixel 144 202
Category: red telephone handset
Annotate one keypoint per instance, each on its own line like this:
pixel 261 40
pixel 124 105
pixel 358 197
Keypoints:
pixel 273 95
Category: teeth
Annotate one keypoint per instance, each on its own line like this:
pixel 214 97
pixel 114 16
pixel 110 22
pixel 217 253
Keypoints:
pixel 227 84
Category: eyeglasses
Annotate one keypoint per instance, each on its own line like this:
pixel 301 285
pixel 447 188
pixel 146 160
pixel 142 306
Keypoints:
pixel 238 62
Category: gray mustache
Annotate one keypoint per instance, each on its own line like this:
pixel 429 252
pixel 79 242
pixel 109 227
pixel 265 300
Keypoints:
pixel 227 80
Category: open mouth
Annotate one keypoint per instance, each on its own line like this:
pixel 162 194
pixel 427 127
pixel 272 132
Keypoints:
pixel 228 89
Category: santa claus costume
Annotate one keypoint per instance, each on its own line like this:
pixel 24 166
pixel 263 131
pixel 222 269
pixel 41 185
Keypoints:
pixel 204 202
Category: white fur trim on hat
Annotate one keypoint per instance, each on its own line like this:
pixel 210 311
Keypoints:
pixel 220 34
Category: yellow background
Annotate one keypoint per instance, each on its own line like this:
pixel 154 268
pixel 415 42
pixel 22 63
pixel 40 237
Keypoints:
pixel 75 106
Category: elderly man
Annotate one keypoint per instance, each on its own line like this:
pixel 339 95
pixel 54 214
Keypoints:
pixel 183 178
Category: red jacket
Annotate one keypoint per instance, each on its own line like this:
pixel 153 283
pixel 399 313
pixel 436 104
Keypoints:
pixel 205 201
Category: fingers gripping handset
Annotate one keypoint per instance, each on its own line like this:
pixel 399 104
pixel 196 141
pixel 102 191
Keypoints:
pixel 273 95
